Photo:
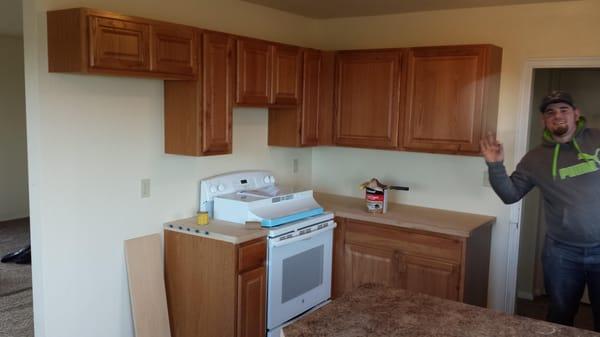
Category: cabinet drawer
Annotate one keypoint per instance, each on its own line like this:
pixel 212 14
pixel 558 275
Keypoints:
pixel 252 255
pixel 409 241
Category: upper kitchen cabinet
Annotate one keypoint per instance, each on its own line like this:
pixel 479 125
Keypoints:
pixel 253 72
pixel 268 74
pixel 84 40
pixel 174 49
pixel 286 83
pixel 368 87
pixel 452 97
pixel 198 113
pixel 310 123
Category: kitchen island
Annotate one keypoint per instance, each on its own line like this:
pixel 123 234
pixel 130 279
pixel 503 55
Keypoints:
pixel 378 311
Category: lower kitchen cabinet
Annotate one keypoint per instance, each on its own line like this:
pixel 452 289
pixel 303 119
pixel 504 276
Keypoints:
pixel 215 288
pixel 252 296
pixel 441 265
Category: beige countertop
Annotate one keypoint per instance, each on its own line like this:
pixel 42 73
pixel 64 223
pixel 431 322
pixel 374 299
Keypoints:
pixel 377 311
pixel 217 229
pixel 413 217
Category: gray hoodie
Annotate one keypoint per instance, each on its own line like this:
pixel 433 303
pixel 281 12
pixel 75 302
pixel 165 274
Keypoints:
pixel 569 179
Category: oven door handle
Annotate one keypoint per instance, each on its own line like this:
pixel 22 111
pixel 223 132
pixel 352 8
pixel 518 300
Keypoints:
pixel 277 243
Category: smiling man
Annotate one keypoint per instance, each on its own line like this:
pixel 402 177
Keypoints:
pixel 566 170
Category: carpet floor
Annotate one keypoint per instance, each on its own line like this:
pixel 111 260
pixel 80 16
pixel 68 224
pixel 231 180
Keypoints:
pixel 16 305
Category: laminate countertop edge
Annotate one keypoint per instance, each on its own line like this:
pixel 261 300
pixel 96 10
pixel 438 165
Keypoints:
pixel 434 220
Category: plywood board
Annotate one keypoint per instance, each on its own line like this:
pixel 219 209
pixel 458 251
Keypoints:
pixel 147 286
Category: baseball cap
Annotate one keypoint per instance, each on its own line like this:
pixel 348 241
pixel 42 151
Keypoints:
pixel 556 96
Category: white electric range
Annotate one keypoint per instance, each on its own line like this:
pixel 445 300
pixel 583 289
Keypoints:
pixel 299 240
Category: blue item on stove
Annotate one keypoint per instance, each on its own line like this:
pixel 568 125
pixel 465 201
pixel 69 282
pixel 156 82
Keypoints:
pixel 291 217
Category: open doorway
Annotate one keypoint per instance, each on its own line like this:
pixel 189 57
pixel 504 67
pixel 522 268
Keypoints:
pixel 583 84
pixel 16 306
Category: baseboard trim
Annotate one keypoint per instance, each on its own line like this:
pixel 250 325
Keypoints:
pixel 14 218
pixel 525 295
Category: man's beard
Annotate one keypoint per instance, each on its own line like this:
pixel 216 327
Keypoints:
pixel 561 130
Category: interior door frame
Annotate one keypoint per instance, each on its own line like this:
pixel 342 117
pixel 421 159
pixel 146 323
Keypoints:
pixel 522 134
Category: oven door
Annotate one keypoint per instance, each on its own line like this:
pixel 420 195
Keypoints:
pixel 299 275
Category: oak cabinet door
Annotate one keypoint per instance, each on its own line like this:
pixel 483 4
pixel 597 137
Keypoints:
pixel 174 50
pixel 286 84
pixel 310 122
pixel 253 72
pixel 451 97
pixel 367 98
pixel 118 44
pixel 431 276
pixel 218 83
pixel 251 319
pixel 364 264
pixel 311 105
pixel 198 113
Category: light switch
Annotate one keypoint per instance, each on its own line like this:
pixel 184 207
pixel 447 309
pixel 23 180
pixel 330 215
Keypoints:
pixel 146 188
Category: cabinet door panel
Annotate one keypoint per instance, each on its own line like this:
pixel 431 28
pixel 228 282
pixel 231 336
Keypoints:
pixel 253 72
pixel 218 80
pixel 251 303
pixel 432 277
pixel 370 265
pixel 311 102
pixel 287 75
pixel 118 44
pixel 445 99
pixel 367 110
pixel 175 50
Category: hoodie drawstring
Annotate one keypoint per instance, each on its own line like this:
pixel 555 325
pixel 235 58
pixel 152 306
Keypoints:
pixel 555 160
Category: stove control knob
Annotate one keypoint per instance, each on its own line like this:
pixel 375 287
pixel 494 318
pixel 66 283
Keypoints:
pixel 221 187
pixel 212 189
pixel 272 179
pixel 266 179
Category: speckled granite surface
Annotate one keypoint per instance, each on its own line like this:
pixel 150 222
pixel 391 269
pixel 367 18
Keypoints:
pixel 376 311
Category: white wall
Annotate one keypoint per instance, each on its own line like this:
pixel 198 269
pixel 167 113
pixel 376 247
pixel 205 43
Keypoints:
pixel 13 140
pixel 93 138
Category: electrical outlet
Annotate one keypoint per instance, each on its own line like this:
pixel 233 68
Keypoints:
pixel 486 179
pixel 145 184
pixel 295 165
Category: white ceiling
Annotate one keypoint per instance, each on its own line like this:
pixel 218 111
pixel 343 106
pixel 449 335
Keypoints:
pixel 325 9
pixel 11 17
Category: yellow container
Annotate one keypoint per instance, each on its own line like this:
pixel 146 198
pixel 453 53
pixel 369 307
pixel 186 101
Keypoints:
pixel 202 218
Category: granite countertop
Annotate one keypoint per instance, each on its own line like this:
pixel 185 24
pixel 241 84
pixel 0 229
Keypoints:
pixel 413 217
pixel 219 230
pixel 377 311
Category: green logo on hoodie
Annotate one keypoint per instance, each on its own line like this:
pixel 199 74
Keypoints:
pixel 578 169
